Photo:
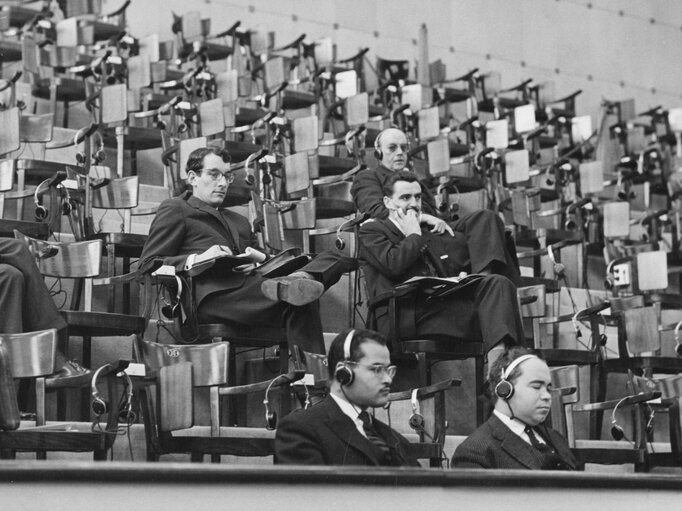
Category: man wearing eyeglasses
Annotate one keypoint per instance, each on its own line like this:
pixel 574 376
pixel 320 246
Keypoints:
pixel 482 243
pixel 194 228
pixel 339 430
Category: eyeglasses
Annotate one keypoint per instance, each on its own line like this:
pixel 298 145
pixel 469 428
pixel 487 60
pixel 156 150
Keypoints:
pixel 392 148
pixel 216 174
pixel 377 369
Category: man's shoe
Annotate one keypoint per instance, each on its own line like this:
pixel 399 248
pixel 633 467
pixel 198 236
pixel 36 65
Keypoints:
pixel 70 369
pixel 297 289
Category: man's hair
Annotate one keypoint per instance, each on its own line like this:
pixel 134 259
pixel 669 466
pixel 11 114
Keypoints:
pixel 500 365
pixel 360 337
pixel 401 175
pixel 195 160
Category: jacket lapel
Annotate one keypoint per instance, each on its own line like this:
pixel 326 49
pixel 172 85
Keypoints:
pixel 512 444
pixel 231 234
pixel 343 427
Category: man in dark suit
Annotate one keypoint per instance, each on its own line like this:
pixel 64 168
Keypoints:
pixel 25 302
pixel 339 430
pixel 194 228
pixel 479 237
pixel 514 437
pixel 395 249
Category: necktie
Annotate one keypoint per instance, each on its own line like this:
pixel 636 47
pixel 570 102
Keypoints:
pixel 372 434
pixel 544 448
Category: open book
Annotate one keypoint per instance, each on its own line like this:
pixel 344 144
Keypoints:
pixel 438 287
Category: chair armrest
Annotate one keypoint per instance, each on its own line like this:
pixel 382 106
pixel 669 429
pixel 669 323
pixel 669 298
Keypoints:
pixel 397 292
pixel 626 401
pixel 277 381
pixel 426 392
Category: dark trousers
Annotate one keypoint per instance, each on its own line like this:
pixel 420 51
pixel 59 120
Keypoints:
pixel 248 305
pixel 25 302
pixel 486 309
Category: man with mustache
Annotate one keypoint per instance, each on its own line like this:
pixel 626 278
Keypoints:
pixel 515 437
pixel 400 247
pixel 481 242
pixel 194 228
pixel 339 430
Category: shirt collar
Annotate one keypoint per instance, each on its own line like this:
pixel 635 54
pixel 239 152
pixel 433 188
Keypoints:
pixel 351 411
pixel 515 425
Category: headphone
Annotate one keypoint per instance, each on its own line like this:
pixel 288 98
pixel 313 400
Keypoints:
pixel 622 193
pixel 98 156
pixel 126 414
pixel 505 389
pixel 579 334
pixel 678 346
pixel 41 211
pixel 445 205
pixel 378 154
pixel 66 205
pixel 172 310
pixel 618 433
pixel 416 420
pixel 98 404
pixel 271 415
pixel 343 373
pixel 340 243
pixel 559 269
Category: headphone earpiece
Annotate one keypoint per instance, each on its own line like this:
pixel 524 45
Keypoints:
pixel 617 432
pixel 98 404
pixel 173 310
pixel 126 415
pixel 271 415
pixel 378 154
pixel 41 212
pixel 416 420
pixel 66 203
pixel 504 388
pixel 343 372
pixel 678 346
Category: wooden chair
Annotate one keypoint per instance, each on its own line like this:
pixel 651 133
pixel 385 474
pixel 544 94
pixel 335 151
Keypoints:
pixel 182 370
pixel 80 262
pixel 32 357
pixel 421 353
pixel 635 448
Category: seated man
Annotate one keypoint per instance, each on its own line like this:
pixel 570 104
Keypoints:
pixel 25 302
pixel 514 437
pixel 482 245
pixel 193 228
pixel 339 430
pixel 395 249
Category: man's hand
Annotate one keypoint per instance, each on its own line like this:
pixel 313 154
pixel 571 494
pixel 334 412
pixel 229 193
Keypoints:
pixel 409 221
pixel 212 252
pixel 438 226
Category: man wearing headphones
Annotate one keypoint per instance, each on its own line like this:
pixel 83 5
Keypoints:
pixel 194 227
pixel 339 430
pixel 480 236
pixel 25 302
pixel 398 248
pixel 514 437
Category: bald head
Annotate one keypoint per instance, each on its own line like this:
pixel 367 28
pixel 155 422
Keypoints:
pixel 392 146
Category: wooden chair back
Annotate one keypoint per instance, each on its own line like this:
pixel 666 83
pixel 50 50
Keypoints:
pixel 32 354
pixel 210 361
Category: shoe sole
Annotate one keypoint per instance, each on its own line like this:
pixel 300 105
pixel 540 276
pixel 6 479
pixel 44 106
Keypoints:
pixel 296 292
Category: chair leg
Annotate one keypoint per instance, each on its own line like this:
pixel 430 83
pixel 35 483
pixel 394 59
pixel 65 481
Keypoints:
pixel 100 455
pixel 197 457
pixel 423 370
pixel 478 390
pixel 215 458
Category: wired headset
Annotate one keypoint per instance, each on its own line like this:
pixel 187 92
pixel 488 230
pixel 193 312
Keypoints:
pixel 271 415
pixel 504 388
pixel 343 373
pixel 416 420
pixel 678 346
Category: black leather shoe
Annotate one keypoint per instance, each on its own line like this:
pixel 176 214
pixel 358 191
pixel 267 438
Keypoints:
pixel 293 289
pixel 70 369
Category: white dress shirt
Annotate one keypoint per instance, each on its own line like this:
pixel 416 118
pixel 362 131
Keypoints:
pixel 517 427
pixel 352 413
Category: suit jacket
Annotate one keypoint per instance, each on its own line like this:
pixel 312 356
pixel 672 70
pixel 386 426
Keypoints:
pixel 494 445
pixel 388 257
pixel 324 435
pixel 368 193
pixel 186 225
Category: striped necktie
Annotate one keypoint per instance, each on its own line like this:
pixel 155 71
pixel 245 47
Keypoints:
pixel 372 434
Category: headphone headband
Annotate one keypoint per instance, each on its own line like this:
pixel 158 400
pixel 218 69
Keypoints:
pixel 347 343
pixel 514 363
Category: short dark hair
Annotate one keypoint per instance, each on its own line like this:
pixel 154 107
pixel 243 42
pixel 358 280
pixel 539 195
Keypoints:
pixel 401 175
pixel 360 337
pixel 195 160
pixel 500 365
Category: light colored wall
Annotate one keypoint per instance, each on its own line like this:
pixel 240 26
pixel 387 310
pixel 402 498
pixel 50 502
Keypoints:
pixel 580 44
